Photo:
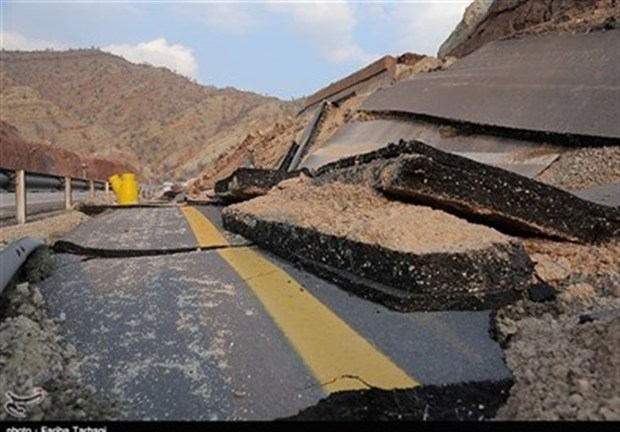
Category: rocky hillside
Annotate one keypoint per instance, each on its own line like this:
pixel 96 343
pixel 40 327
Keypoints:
pixel 19 153
pixel 92 101
pixel 486 21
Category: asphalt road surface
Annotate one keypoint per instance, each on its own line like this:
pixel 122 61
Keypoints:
pixel 36 202
pixel 213 328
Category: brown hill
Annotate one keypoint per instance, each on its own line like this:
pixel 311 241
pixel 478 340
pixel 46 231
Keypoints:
pixel 19 153
pixel 97 102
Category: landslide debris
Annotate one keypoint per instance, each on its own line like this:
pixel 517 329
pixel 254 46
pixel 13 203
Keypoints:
pixel 48 229
pixel 420 173
pixel 35 355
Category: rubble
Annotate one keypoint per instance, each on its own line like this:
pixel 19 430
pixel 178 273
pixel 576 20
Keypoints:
pixel 48 229
pixel 564 370
pixel 583 168
pixel 414 171
pixel 34 355
pixel 247 183
pixel 405 256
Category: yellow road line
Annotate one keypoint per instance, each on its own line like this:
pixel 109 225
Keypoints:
pixel 204 231
pixel 339 357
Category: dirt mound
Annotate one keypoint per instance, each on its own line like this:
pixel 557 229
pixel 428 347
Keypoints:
pixel 564 353
pixel 508 18
pixel 259 149
pixel 18 153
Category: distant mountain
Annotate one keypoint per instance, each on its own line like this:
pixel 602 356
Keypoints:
pixel 98 103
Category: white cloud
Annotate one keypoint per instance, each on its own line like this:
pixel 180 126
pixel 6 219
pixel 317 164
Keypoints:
pixel 18 42
pixel 329 27
pixel 159 53
pixel 230 17
pixel 423 27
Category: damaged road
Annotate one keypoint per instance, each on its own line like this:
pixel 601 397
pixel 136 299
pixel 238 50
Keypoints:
pixel 420 173
pixel 235 333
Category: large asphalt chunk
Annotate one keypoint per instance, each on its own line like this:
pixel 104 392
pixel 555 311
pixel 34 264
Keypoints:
pixel 417 172
pixel 405 256
pixel 558 87
pixel 247 183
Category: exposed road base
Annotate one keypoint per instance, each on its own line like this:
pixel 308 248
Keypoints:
pixel 482 193
pixel 472 401
pixel 470 279
pixel 247 183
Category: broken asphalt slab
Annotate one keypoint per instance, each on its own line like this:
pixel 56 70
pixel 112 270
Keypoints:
pixel 406 257
pixel 560 87
pixel 485 194
pixel 247 183
pixel 520 156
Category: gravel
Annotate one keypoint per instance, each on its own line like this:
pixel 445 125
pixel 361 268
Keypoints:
pixel 583 168
pixel 34 355
pixel 48 229
pixel 565 354
pixel 564 370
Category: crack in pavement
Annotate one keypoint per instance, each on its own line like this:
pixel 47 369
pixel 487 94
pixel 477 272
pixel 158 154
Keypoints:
pixel 63 246
pixel 341 377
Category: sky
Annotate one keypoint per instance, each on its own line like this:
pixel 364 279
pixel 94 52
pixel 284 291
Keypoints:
pixel 287 49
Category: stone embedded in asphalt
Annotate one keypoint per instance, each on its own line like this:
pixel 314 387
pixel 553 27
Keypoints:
pixel 405 256
pixel 247 183
pixel 483 193
pixel 541 292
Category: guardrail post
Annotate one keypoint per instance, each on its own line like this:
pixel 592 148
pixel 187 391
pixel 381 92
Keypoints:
pixel 20 196
pixel 68 197
pixel 91 189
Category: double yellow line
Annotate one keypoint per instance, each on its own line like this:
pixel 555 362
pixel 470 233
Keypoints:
pixel 338 356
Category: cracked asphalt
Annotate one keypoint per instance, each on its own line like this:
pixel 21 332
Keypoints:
pixel 203 335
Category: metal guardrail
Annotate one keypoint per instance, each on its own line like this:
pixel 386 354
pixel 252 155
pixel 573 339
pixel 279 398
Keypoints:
pixel 8 179
pixel 19 181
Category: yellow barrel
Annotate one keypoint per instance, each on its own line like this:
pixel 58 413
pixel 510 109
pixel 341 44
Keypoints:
pixel 116 182
pixel 125 187
pixel 129 189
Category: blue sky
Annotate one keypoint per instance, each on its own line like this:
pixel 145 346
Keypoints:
pixel 285 49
